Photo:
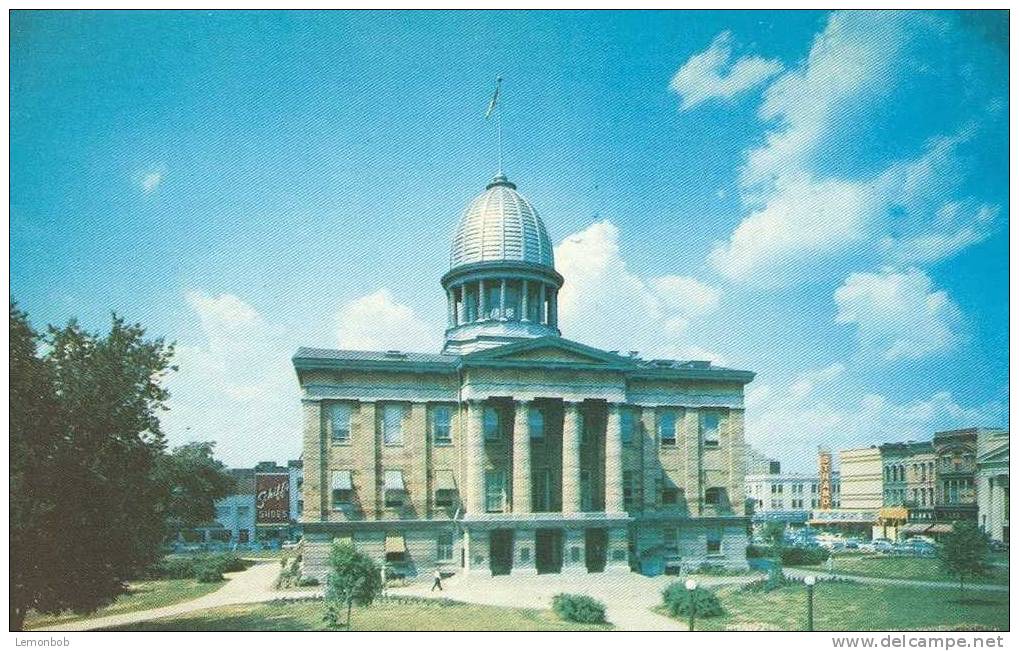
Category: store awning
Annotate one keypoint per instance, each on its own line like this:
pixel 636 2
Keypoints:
pixel 893 513
pixel 914 528
pixel 394 480
pixel 395 544
pixel 940 528
pixel 342 480
pixel 444 480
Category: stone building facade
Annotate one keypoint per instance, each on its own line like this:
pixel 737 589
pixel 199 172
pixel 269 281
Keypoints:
pixel 515 450
pixel 992 483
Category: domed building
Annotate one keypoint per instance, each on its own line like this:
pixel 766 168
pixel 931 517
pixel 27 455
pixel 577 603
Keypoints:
pixel 514 450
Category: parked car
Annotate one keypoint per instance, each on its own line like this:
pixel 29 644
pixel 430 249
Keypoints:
pixel 998 546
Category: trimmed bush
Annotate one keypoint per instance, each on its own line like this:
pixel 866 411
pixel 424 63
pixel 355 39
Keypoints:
pixel 775 580
pixel 803 555
pixel 187 567
pixel 208 573
pixel 679 601
pixel 578 608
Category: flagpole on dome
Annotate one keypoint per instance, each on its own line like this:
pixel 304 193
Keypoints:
pixel 493 107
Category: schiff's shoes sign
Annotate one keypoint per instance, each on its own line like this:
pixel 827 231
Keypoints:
pixel 272 498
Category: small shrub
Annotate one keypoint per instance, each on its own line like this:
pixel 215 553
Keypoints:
pixel 679 601
pixel 760 551
pixel 803 555
pixel 578 608
pixel 775 580
pixel 208 573
pixel 307 581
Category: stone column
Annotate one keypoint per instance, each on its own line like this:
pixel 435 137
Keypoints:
pixel 571 457
pixel 502 299
pixel 475 451
pixel 451 298
pixel 482 301
pixel 525 315
pixel 614 460
pixel 542 293
pixel 521 458
pixel 553 310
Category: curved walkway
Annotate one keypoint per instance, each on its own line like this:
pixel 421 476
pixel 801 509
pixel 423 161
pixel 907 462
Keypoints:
pixel 628 597
pixel 875 580
pixel 252 585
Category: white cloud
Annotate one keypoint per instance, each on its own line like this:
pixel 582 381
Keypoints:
pixel 377 322
pixel 956 226
pixel 235 385
pixel 899 315
pixel 149 180
pixel 605 304
pixel 803 224
pixel 713 74
pixel 789 424
pixel 807 381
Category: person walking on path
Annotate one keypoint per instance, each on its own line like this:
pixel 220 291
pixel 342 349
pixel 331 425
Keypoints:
pixel 438 581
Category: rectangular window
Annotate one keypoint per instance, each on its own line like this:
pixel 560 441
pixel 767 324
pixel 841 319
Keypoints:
pixel 667 427
pixel 670 496
pixel 394 488
pixel 536 423
pixel 442 432
pixel 709 429
pixel 342 488
pixel 445 488
pixel 626 422
pixel 495 491
pixel 339 422
pixel 714 542
pixel 586 501
pixel 540 498
pixel 628 490
pixel 392 424
pixel 444 546
pixel 492 424
pixel 670 540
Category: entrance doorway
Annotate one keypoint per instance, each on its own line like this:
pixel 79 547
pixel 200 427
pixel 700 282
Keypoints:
pixel 596 543
pixel 500 551
pixel 548 551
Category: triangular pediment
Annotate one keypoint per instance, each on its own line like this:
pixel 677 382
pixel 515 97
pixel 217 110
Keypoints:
pixel 548 350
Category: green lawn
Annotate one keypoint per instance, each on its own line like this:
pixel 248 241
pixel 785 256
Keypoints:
pixel 904 567
pixel 385 615
pixel 142 595
pixel 857 607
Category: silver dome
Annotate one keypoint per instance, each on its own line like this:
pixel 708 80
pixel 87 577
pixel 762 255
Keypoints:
pixel 500 224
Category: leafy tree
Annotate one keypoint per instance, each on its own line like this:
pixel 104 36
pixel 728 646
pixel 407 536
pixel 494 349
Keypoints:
pixel 353 578
pixel 191 480
pixel 964 552
pixel 86 511
pixel 774 533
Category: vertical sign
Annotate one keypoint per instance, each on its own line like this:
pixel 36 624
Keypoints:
pixel 824 488
pixel 272 498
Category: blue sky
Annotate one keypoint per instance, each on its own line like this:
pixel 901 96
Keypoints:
pixel 818 197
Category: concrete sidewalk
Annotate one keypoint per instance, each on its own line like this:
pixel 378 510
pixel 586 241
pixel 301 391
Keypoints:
pixel 253 585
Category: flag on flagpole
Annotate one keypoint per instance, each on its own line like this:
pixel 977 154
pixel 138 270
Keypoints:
pixel 495 98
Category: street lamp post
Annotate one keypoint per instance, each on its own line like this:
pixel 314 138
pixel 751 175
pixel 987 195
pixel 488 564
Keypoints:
pixel 810 580
pixel 691 585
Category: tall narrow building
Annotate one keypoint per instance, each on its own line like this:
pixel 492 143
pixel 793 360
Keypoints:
pixel 515 450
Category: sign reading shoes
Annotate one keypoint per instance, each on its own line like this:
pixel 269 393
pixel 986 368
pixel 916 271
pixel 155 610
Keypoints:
pixel 272 498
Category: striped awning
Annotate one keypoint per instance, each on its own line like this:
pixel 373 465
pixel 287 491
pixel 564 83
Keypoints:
pixel 444 480
pixel 395 544
pixel 342 480
pixel 393 480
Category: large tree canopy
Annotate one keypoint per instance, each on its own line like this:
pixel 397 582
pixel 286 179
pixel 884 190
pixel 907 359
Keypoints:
pixel 87 512
pixel 191 480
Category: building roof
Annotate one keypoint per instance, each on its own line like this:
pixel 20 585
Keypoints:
pixel 584 357
pixel 500 225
